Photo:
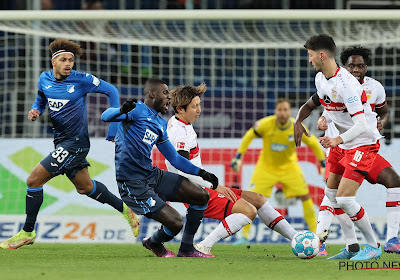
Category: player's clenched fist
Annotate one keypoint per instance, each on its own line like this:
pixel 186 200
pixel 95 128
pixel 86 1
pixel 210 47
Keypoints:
pixel 236 162
pixel 128 105
pixel 33 114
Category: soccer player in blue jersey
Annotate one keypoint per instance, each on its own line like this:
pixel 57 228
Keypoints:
pixel 65 90
pixel 144 187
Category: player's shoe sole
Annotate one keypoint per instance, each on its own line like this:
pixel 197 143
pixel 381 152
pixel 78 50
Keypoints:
pixel 203 249
pixel 194 254
pixel 159 250
pixel 20 239
pixel 392 246
pixel 132 219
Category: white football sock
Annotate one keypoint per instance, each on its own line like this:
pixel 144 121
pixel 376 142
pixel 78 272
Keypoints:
pixel 345 222
pixel 359 217
pixel 275 221
pixel 392 212
pixel 228 226
pixel 325 215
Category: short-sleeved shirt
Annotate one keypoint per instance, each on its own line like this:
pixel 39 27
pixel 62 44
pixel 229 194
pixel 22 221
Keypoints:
pixel 343 97
pixel 134 141
pixel 67 105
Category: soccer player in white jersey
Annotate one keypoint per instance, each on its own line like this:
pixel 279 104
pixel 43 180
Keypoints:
pixel 354 150
pixel 355 59
pixel 234 208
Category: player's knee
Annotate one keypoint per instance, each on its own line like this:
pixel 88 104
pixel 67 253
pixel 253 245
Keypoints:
pixel 31 182
pixel 251 211
pixel 204 197
pixel 259 200
pixel 84 188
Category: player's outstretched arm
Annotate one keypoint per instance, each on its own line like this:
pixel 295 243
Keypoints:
pixel 236 162
pixel 184 164
pixel 119 114
pixel 303 113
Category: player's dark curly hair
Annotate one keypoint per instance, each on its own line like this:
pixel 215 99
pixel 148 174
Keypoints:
pixel 355 50
pixel 183 95
pixel 321 42
pixel 64 44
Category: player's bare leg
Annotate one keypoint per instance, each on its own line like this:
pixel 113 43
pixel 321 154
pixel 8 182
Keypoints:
pixel 172 224
pixel 97 191
pixel 34 199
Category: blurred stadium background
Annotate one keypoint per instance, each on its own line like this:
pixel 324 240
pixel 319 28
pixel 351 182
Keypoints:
pixel 247 56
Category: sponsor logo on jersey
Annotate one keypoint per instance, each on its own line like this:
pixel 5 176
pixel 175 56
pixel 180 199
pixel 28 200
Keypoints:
pixel 276 147
pixel 327 100
pixel 57 104
pixel 353 99
pixel 70 88
pixel 180 145
pixel 149 137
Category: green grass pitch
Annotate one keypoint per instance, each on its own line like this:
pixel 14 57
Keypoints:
pixel 110 261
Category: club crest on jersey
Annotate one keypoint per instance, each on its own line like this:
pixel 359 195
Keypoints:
pixel 57 104
pixel 151 202
pixel 334 93
pixel 327 100
pixel 70 88
pixel 149 137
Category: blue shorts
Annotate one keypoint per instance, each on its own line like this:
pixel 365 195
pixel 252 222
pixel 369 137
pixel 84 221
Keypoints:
pixel 147 197
pixel 66 160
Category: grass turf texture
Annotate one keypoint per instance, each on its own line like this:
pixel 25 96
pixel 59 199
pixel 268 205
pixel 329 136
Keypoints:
pixel 110 261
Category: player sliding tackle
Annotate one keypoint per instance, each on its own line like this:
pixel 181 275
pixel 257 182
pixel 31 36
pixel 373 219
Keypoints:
pixel 145 188
pixel 355 59
pixel 235 208
pixel 65 91
pixel 353 152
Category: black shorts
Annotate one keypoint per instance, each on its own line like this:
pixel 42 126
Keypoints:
pixel 148 197
pixel 66 160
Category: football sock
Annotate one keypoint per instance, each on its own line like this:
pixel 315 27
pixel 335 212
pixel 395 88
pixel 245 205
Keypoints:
pixel 34 199
pixel 103 195
pixel 309 214
pixel 246 231
pixel 228 226
pixel 194 217
pixel 345 222
pixel 392 212
pixel 359 217
pixel 325 215
pixel 162 235
pixel 275 221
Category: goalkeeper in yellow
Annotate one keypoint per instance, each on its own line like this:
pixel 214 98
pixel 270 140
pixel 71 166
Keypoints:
pixel 277 162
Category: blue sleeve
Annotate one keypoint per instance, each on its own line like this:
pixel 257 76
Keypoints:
pixel 113 115
pixel 176 159
pixel 40 102
pixel 113 98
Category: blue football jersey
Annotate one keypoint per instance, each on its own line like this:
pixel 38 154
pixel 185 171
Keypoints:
pixel 67 105
pixel 135 139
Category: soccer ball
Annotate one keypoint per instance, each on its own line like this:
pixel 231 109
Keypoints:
pixel 305 244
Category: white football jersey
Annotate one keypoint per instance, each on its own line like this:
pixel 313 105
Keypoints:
pixel 343 97
pixel 183 137
pixel 376 96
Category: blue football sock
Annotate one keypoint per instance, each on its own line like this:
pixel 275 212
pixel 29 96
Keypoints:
pixel 103 195
pixel 34 199
pixel 194 217
pixel 161 236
